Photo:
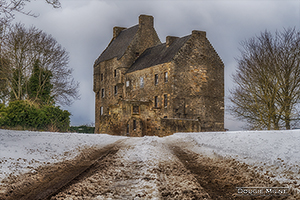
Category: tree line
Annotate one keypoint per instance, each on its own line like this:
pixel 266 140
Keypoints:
pixel 35 75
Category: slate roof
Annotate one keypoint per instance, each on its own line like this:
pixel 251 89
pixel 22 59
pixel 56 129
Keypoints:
pixel 119 45
pixel 158 54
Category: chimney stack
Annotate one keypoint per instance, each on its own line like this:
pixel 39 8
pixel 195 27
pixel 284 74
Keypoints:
pixel 199 33
pixel 117 30
pixel 145 20
pixel 170 40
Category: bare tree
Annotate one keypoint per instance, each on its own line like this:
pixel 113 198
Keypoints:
pixel 9 8
pixel 4 92
pixel 22 48
pixel 267 81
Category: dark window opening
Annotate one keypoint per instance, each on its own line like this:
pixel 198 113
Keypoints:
pixel 165 117
pixel 165 100
pixel 102 93
pixel 137 54
pixel 101 77
pixel 115 73
pixel 127 130
pixel 156 101
pixel 116 90
pixel 134 124
pixel 156 79
pixel 135 110
pixel 166 77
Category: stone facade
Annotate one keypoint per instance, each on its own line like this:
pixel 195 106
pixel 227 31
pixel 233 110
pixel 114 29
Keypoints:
pixel 145 87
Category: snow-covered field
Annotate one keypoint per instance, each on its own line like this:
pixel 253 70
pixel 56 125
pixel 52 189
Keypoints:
pixel 273 153
pixel 23 151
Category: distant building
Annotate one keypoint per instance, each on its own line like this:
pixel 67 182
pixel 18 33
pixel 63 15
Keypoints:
pixel 145 87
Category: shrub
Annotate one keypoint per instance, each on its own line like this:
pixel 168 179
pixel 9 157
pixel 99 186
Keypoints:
pixel 2 114
pixel 30 116
pixel 56 119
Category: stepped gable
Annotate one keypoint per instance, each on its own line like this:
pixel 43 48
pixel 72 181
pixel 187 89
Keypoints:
pixel 118 46
pixel 159 54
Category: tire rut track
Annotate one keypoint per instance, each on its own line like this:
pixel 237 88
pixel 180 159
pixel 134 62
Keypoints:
pixel 220 177
pixel 51 181
pixel 143 168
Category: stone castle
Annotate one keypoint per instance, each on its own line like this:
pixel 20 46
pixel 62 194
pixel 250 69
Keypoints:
pixel 145 87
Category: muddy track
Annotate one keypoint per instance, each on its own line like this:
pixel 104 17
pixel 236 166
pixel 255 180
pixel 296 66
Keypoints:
pixel 140 168
pixel 54 180
pixel 220 177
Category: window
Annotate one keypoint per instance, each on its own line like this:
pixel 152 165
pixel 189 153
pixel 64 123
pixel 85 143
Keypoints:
pixel 141 82
pixel 115 73
pixel 101 77
pixel 127 83
pixel 165 100
pixel 134 124
pixel 156 79
pixel 137 54
pixel 101 110
pixel 166 77
pixel 135 109
pixel 102 93
pixel 116 90
pixel 127 130
pixel 156 101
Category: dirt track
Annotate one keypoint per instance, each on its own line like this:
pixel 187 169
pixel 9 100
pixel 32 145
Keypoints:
pixel 140 168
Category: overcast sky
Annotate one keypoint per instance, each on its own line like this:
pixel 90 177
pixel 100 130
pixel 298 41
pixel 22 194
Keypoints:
pixel 84 29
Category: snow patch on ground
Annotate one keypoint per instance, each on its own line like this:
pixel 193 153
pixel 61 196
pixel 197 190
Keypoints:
pixel 273 153
pixel 146 154
pixel 23 151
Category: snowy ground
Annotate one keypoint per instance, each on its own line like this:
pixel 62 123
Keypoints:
pixel 23 151
pixel 279 150
pixel 275 154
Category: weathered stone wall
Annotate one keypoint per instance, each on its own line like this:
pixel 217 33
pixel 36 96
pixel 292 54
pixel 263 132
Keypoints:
pixel 149 90
pixel 170 126
pixel 120 120
pixel 199 83
pixel 113 70
pixel 105 85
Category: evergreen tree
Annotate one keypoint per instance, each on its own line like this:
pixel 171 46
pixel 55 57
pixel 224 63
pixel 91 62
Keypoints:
pixel 39 85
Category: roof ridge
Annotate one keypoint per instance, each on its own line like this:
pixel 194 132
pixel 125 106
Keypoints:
pixel 118 46
pixel 158 54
